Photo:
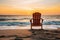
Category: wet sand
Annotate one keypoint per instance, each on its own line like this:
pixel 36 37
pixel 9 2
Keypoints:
pixel 25 34
pixel 14 33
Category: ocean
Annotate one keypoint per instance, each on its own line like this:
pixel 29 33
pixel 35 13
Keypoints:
pixel 14 21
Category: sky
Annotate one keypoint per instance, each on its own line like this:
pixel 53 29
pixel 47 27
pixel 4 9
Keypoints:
pixel 27 7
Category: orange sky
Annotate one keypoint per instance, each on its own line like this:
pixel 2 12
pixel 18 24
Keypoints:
pixel 9 7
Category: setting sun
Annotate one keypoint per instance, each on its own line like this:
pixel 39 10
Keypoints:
pixel 27 7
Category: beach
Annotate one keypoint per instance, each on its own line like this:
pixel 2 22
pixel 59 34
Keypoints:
pixel 27 34
pixel 29 19
pixel 13 33
pixel 18 28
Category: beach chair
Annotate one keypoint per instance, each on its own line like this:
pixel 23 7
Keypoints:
pixel 36 20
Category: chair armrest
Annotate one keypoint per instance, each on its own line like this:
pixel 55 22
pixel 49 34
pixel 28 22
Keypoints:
pixel 41 20
pixel 30 20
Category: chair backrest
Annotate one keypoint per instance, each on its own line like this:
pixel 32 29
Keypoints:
pixel 36 18
pixel 36 15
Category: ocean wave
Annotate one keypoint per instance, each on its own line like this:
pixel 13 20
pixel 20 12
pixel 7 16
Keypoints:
pixel 51 23
pixel 14 23
pixel 19 23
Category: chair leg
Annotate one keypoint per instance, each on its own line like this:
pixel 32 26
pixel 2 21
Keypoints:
pixel 31 27
pixel 41 27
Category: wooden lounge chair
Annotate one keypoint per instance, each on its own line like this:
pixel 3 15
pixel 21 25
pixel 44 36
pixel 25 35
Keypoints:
pixel 36 20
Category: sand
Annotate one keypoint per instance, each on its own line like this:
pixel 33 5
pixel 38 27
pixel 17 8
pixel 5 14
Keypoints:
pixel 25 34
pixel 20 32
pixel 13 33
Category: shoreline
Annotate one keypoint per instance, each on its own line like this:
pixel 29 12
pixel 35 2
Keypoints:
pixel 45 27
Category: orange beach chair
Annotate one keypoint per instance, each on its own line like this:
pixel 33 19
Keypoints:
pixel 36 20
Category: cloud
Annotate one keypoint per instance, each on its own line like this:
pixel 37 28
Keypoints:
pixel 31 3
